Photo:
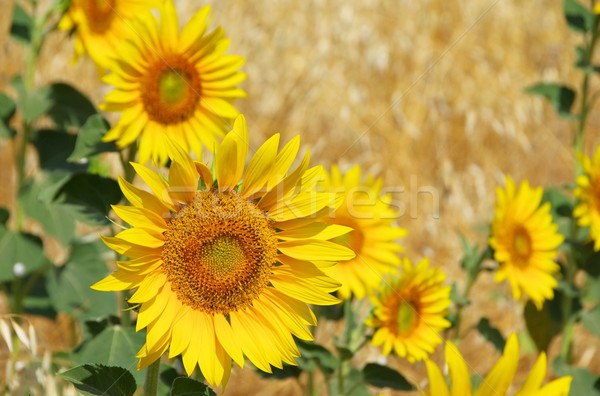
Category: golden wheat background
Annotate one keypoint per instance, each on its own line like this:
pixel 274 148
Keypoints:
pixel 427 94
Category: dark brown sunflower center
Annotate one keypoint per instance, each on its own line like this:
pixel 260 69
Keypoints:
pixel 99 13
pixel 218 252
pixel 171 90
pixel 522 244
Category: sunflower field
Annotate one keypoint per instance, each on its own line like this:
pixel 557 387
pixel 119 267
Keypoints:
pixel 329 197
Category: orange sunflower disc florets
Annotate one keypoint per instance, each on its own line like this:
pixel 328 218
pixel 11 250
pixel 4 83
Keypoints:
pixel 218 252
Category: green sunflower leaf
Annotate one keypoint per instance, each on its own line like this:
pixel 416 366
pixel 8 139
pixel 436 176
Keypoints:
pixel 315 356
pixel 560 97
pixel 90 197
pixel 116 346
pixel 543 325
pixel 584 382
pixel 89 139
pixel 37 200
pixel 187 386
pixel 385 377
pixel 22 25
pixel 69 107
pixel 69 284
pixel 7 110
pixel 579 18
pixel 97 379
pixel 491 334
pixel 19 249
pixel 4 215
pixel 54 147
pixel 591 320
pixel 32 104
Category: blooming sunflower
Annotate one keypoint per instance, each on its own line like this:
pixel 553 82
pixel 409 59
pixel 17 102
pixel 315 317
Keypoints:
pixel 224 267
pixel 101 25
pixel 587 192
pixel 373 235
pixel 410 312
pixel 498 380
pixel 525 242
pixel 171 84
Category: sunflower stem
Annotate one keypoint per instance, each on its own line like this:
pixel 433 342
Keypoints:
pixel 152 374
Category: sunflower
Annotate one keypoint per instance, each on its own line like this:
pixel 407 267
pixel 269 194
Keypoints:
pixel 100 25
pixel 224 267
pixel 368 213
pixel 410 312
pixel 171 84
pixel 587 192
pixel 525 242
pixel 498 380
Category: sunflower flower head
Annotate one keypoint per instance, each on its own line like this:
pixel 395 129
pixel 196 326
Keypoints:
pixel 587 192
pixel 168 83
pixel 409 313
pixel 498 381
pixel 369 214
pixel 525 242
pixel 100 25
pixel 225 263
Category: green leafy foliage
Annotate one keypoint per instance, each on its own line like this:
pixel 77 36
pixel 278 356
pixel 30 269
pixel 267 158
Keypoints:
pixel 69 285
pixel 183 386
pixel 384 377
pixel 116 346
pixel 89 139
pixel 37 199
pixel 316 356
pixel 70 108
pixel 584 382
pixel 97 379
pixel 16 247
pixel 560 97
pixel 4 215
pixel 579 18
pixel 491 334
pixel 7 110
pixel 54 147
pixel 90 197
pixel 543 325
pixel 22 25
pixel 591 320
pixel 31 103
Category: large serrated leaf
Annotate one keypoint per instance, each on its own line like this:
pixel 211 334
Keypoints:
pixel 560 97
pixel 543 325
pixel 70 108
pixel 187 387
pixel 7 110
pixel 89 139
pixel 115 346
pixel 32 104
pixel 591 320
pixel 579 18
pixel 97 379
pixel 491 334
pixel 22 25
pixel 584 382
pixel 90 196
pixel 69 285
pixel 37 199
pixel 54 147
pixel 19 248
pixel 385 377
pixel 314 355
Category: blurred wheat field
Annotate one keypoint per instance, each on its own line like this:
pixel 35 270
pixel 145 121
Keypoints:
pixel 427 94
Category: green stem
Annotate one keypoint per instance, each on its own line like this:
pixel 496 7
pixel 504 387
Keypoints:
pixel 471 277
pixel 311 391
pixel 152 374
pixel 578 140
